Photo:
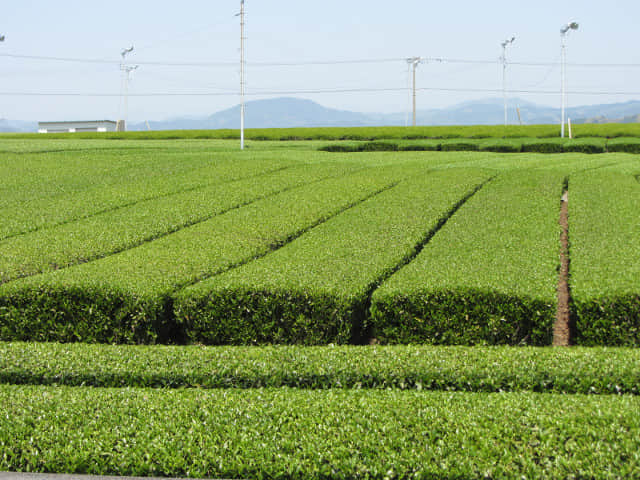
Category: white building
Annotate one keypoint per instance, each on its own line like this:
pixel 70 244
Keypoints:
pixel 88 126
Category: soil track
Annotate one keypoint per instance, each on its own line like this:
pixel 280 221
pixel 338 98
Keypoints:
pixel 562 326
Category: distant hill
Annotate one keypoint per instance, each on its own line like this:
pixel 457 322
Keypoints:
pixel 17 126
pixel 295 112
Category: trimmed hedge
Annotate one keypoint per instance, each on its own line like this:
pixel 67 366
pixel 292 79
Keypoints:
pixel 605 258
pixel 123 228
pixel 488 277
pixel 118 180
pixel 588 145
pixel 126 297
pixel 626 145
pixel 540 146
pixel 302 434
pixel 315 290
pixel 469 369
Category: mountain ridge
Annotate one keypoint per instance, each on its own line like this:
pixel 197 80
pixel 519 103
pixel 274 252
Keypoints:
pixel 297 112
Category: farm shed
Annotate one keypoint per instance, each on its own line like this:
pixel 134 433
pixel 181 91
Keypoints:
pixel 77 126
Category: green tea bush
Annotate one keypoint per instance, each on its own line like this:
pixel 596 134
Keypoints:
pixel 585 145
pixel 488 277
pixel 123 228
pixel 626 145
pixel 540 146
pixel 470 369
pixel 317 434
pixel 315 290
pixel 605 260
pixel 129 292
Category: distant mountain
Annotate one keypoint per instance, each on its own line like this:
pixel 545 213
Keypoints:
pixel 295 112
pixel 17 126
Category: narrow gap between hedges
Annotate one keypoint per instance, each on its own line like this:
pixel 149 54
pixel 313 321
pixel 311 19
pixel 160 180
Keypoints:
pixel 147 199
pixel 562 334
pixel 171 231
pixel 362 333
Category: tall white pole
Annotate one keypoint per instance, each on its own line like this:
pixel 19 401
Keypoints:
pixel 414 62
pixel 562 81
pixel 504 75
pixel 242 75
pixel 563 70
pixel 124 87
pixel 504 81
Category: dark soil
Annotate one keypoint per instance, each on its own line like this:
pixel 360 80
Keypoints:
pixel 562 327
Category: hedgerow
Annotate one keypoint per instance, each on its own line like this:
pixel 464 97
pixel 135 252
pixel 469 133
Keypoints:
pixel 119 229
pixel 357 133
pixel 626 145
pixel 553 145
pixel 302 434
pixel 472 369
pixel 585 145
pixel 605 260
pixel 489 275
pixel 126 297
pixel 316 289
pixel 138 179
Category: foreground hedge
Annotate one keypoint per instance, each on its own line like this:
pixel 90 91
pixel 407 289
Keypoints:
pixel 302 434
pixel 605 258
pixel 488 277
pixel 315 290
pixel 474 369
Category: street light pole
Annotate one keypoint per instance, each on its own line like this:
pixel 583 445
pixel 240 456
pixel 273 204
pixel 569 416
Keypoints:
pixel 414 62
pixel 563 67
pixel 504 74
pixel 242 81
pixel 126 70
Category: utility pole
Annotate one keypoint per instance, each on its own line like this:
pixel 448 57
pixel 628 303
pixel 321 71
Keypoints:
pixel 504 74
pixel 563 70
pixel 126 70
pixel 414 62
pixel 242 80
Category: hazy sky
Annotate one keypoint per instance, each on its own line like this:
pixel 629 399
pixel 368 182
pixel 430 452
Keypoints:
pixel 300 33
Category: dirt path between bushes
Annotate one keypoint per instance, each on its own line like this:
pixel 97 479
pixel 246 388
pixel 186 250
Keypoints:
pixel 562 326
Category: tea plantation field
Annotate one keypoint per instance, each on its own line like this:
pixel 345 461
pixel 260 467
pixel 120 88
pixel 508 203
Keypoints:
pixel 177 307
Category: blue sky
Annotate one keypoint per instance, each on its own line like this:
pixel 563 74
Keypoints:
pixel 283 31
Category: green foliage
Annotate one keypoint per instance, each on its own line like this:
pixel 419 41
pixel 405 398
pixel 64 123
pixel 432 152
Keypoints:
pixel 458 146
pixel 585 145
pixel 543 146
pixel 605 259
pixel 627 145
pixel 315 289
pixel 118 229
pixel 64 187
pixel 473 369
pixel 488 276
pixel 357 133
pixel 129 291
pixel 302 434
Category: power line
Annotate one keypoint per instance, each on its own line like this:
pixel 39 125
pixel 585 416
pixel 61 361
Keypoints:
pixel 312 91
pixel 302 63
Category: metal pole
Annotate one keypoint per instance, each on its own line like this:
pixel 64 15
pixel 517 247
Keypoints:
pixel 562 81
pixel 504 80
pixel 504 74
pixel 415 64
pixel 414 61
pixel 241 74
